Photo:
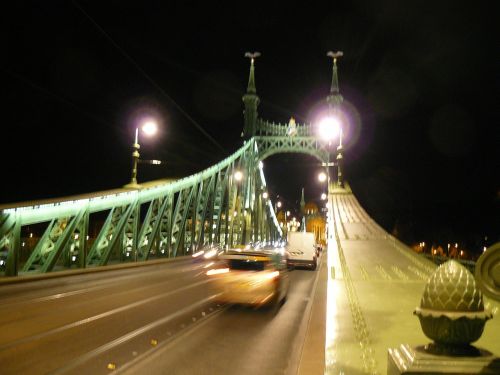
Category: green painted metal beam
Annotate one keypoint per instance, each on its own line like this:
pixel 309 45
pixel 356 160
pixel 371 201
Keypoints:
pixel 206 208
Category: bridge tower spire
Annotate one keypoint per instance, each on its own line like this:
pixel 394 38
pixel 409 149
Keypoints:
pixel 334 100
pixel 251 100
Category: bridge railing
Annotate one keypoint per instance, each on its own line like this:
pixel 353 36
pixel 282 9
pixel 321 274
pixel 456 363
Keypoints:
pixel 438 260
pixel 266 128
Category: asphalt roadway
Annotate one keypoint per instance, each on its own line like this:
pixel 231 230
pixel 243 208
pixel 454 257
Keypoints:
pixel 157 319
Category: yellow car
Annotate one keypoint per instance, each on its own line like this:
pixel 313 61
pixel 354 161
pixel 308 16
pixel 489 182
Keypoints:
pixel 251 277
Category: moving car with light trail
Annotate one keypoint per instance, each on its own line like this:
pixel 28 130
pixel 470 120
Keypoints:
pixel 254 277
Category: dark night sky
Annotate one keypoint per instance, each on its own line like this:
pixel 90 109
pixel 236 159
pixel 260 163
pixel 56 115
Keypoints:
pixel 423 153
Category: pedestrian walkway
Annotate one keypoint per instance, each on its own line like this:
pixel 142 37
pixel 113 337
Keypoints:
pixel 374 283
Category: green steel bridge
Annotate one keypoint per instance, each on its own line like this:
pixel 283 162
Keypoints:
pixel 162 219
pixel 359 308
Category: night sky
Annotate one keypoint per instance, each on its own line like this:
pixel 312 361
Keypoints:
pixel 418 80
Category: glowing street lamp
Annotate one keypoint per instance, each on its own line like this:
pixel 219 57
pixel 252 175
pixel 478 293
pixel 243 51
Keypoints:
pixel 277 205
pixel 238 176
pixel 323 196
pixel 265 195
pixel 329 128
pixel 149 128
pixel 322 177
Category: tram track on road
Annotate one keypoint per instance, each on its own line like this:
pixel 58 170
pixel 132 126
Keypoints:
pixel 130 317
pixel 114 354
pixel 82 288
pixel 96 317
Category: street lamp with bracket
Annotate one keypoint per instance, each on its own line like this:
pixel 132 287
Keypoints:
pixel 149 128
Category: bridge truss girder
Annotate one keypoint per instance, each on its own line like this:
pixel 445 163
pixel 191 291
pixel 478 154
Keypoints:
pixel 270 145
pixel 169 219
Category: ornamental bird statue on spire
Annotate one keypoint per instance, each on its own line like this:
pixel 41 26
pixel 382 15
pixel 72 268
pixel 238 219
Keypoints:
pixel 252 55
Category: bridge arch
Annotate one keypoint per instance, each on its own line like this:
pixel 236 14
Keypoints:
pixel 268 146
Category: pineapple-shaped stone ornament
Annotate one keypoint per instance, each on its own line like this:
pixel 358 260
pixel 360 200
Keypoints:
pixel 451 311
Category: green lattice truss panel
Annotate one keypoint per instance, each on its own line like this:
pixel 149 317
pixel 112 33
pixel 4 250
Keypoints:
pixel 166 219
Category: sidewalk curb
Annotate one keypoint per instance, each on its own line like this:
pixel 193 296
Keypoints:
pixel 312 359
pixel 300 353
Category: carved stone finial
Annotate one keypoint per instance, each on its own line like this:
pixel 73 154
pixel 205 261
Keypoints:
pixel 451 311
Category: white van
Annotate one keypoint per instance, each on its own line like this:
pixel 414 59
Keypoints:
pixel 301 248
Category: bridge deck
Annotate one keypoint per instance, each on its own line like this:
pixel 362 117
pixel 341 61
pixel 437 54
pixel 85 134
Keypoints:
pixel 374 285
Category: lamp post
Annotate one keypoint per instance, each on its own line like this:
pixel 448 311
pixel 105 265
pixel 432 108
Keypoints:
pixel 329 129
pixel 149 128
pixel 339 159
